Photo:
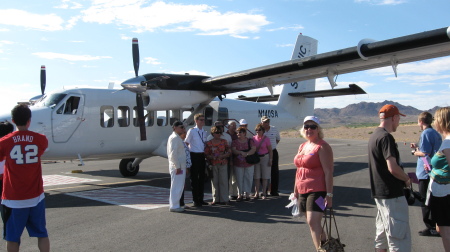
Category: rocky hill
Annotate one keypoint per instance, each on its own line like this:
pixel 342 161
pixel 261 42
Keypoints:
pixel 363 113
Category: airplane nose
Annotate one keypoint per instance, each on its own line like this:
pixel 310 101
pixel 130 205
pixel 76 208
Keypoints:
pixel 134 84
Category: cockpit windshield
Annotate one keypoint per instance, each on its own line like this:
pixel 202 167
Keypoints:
pixel 50 100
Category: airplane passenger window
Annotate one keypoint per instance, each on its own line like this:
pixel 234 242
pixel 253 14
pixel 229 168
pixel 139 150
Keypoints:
pixel 150 118
pixel 209 116
pixel 174 116
pixel 223 114
pixel 161 117
pixel 106 116
pixel 123 116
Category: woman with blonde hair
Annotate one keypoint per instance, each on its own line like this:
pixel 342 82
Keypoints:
pixel 314 176
pixel 439 188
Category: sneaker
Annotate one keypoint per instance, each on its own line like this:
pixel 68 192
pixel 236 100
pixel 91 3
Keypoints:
pixel 429 232
pixel 177 210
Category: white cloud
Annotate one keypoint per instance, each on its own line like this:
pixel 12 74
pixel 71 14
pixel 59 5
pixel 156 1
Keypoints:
pixel 285 45
pixel 4 30
pixel 297 27
pixel 382 2
pixel 172 17
pixel 152 61
pixel 69 57
pixel 68 4
pixel 46 22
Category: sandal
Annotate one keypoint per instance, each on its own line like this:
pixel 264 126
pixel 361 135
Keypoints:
pixel 256 196
pixel 239 199
pixel 263 197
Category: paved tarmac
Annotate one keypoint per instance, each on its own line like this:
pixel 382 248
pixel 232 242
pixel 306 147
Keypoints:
pixel 98 210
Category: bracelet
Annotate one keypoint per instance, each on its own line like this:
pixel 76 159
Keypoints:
pixel 330 195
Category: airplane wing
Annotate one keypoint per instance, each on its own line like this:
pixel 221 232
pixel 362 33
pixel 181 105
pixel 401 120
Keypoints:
pixel 352 89
pixel 367 55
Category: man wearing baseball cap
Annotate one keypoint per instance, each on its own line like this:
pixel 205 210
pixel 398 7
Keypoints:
pixel 387 180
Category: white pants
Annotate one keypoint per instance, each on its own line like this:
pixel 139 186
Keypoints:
pixel 176 187
pixel 244 178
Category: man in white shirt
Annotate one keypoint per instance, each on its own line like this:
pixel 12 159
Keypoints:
pixel 274 136
pixel 196 139
pixel 176 155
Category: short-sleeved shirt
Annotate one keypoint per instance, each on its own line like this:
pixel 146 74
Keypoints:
pixel 383 184
pixel 274 135
pixel 264 148
pixel 429 143
pixel 217 149
pixel 22 150
pixel 309 176
pixel 239 160
pixel 196 138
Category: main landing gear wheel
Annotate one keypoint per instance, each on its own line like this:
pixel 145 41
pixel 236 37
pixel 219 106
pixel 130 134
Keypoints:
pixel 126 168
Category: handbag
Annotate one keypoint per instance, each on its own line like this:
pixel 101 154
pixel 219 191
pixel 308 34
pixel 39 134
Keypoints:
pixel 331 244
pixel 254 158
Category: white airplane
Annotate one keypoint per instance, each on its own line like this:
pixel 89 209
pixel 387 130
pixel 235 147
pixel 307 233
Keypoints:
pixel 95 124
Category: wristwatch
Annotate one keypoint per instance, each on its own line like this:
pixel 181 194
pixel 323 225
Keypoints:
pixel 330 195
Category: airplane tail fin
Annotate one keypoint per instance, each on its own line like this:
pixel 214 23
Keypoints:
pixel 300 107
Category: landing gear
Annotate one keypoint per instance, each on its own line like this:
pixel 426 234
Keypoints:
pixel 126 168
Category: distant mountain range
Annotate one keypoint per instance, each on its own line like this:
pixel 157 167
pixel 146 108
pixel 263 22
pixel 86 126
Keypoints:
pixel 364 113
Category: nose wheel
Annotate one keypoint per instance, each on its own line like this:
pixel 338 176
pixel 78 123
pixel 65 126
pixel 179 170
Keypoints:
pixel 126 168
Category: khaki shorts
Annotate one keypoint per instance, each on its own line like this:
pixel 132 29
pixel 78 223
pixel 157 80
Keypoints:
pixel 392 225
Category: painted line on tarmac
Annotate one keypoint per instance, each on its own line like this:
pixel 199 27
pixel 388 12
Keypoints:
pixel 104 184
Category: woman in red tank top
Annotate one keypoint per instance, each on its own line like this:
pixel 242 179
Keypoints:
pixel 314 176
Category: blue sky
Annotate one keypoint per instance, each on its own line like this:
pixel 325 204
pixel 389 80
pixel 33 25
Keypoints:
pixel 88 42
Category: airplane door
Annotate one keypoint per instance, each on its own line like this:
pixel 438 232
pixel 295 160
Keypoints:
pixel 66 117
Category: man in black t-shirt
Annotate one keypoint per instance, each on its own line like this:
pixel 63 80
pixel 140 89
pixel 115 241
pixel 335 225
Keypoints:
pixel 387 180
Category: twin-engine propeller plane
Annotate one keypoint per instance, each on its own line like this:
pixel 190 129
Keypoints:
pixel 94 124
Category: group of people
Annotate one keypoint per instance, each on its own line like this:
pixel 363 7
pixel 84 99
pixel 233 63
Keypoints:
pixel 314 178
pixel 222 154
pixel 388 179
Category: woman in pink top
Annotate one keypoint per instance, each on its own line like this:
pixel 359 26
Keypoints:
pixel 314 177
pixel 263 168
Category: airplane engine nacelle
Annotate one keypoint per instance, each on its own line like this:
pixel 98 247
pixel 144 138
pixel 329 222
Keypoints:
pixel 175 99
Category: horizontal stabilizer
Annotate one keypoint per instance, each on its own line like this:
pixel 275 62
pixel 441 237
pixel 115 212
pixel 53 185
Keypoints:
pixel 352 89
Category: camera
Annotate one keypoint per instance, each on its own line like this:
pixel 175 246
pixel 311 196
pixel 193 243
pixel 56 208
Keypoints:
pixel 412 152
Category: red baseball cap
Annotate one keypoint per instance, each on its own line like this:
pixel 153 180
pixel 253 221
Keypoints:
pixel 389 110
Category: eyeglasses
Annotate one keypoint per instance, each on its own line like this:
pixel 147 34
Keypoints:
pixel 241 132
pixel 310 126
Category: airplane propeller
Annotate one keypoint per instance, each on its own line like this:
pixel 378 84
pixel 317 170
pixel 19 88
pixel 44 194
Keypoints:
pixel 139 102
pixel 43 79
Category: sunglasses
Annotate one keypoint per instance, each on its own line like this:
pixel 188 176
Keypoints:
pixel 217 132
pixel 258 130
pixel 310 126
pixel 243 132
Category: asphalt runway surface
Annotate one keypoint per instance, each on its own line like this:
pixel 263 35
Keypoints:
pixel 99 210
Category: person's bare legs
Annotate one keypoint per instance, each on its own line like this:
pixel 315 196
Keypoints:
pixel 12 246
pixel 44 244
pixel 445 235
pixel 314 220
